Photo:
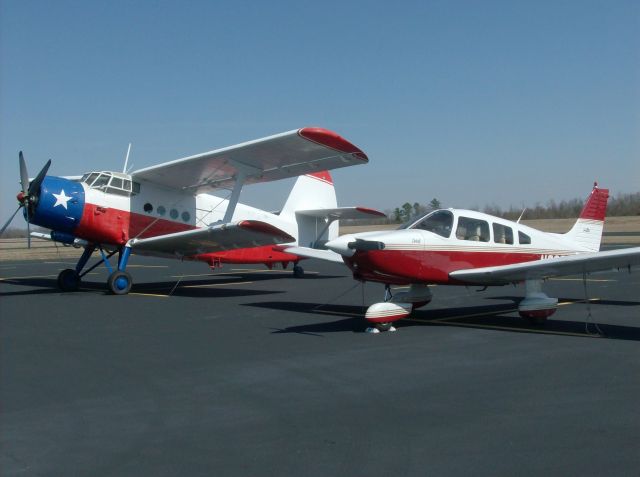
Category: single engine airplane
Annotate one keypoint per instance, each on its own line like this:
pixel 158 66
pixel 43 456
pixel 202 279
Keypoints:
pixel 463 247
pixel 166 210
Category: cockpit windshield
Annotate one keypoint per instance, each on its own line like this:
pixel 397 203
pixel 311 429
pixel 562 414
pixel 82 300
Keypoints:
pixel 439 222
pixel 111 182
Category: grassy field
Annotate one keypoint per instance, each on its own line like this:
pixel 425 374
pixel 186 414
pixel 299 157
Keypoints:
pixel 615 228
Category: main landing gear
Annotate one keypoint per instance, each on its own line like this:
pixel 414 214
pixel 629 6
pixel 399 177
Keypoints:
pixel 536 305
pixel 119 281
pixel 395 307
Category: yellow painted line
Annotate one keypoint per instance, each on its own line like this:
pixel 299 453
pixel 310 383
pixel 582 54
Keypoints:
pixel 449 321
pixel 149 294
pixel 580 279
pixel 562 303
pixel 35 276
pixel 147 266
pixel 245 270
pixel 508 328
pixel 211 285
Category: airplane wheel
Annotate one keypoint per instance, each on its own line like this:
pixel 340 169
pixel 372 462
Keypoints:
pixel 68 280
pixel 383 326
pixel 119 282
pixel 298 271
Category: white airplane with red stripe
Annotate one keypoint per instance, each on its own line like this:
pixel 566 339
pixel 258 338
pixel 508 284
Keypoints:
pixel 463 247
pixel 167 210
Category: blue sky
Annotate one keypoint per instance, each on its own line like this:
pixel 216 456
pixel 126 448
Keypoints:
pixel 475 103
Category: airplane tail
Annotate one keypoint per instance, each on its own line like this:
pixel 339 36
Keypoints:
pixel 587 231
pixel 312 192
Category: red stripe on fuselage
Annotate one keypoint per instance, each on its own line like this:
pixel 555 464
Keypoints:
pixel 403 267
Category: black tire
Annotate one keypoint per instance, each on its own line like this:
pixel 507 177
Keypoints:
pixel 298 271
pixel 119 282
pixel 383 326
pixel 68 280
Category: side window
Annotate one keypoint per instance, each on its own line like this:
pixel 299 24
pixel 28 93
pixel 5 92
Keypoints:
pixel 136 187
pixel 524 239
pixel 502 234
pixel 472 229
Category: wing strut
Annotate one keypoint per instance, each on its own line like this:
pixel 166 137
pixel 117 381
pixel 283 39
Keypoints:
pixel 244 170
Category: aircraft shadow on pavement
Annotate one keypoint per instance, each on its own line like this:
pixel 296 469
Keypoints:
pixel 183 288
pixel 498 317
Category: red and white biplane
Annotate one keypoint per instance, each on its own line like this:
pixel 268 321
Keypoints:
pixel 167 210
pixel 463 247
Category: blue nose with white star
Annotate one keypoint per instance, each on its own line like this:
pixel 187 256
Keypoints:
pixel 60 205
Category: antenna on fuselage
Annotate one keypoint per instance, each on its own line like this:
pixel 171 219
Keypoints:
pixel 126 160
pixel 523 211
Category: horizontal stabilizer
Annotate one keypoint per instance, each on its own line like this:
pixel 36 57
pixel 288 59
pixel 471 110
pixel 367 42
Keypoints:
pixel 215 238
pixel 552 267
pixel 343 213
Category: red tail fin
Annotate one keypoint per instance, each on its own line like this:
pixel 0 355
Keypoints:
pixel 596 206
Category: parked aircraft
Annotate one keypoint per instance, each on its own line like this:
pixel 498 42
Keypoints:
pixel 166 210
pixel 463 247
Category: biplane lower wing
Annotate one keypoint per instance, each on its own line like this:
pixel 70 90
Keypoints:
pixel 215 238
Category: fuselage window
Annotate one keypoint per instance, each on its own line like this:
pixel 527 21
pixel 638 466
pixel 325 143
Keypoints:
pixel 439 222
pixel 161 210
pixel 136 187
pixel 173 213
pixel 148 208
pixel 186 216
pixel 472 229
pixel 116 182
pixel 524 239
pixel 502 234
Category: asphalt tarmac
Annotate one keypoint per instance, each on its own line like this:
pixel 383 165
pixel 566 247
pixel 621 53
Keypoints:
pixel 256 373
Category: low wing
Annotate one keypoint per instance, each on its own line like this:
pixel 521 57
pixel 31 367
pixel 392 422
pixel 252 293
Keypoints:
pixel 289 154
pixel 243 234
pixel 307 252
pixel 343 213
pixel 552 267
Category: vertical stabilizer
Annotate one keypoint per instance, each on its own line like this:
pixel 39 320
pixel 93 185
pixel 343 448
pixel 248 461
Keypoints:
pixel 587 231
pixel 311 192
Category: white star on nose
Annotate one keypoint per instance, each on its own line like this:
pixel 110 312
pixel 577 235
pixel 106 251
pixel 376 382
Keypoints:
pixel 61 199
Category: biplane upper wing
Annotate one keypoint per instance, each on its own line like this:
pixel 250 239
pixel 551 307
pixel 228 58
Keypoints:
pixel 215 238
pixel 284 155
pixel 551 267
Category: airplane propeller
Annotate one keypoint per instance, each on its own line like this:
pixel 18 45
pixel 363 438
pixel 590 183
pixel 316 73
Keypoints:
pixel 29 195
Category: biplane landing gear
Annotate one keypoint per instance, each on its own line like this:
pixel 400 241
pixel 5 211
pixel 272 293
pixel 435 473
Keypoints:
pixel 119 281
pixel 298 271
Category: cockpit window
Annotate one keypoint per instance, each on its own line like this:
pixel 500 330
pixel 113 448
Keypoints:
pixel 102 180
pixel 439 222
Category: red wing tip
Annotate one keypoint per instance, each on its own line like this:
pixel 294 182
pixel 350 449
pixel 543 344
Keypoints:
pixel 366 210
pixel 266 229
pixel 333 140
